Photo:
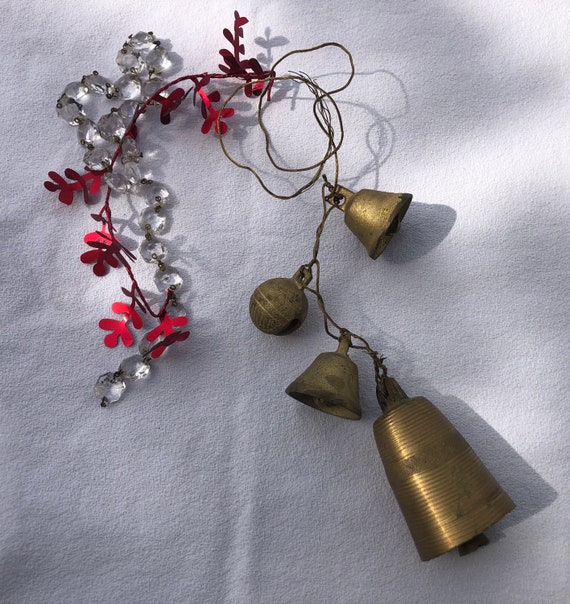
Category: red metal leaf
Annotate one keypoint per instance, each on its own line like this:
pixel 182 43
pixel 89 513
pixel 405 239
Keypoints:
pixel 95 178
pixel 228 35
pixel 118 327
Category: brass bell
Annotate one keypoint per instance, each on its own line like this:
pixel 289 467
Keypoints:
pixel 446 494
pixel 373 216
pixel 279 306
pixel 330 384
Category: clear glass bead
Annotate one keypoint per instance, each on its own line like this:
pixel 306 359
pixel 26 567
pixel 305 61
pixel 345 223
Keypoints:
pixel 133 173
pixel 127 110
pixel 152 221
pixel 152 86
pixel 129 61
pixel 157 60
pixel 129 88
pixel 109 388
pixel 111 126
pixel 175 309
pixel 129 150
pixel 167 278
pixel 153 250
pixel 76 90
pixel 134 368
pixel 88 134
pixel 153 192
pixel 98 158
pixel 97 83
pixel 142 40
pixel 70 110
pixel 117 181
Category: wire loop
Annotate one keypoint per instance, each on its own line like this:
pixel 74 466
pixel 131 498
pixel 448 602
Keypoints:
pixel 321 112
pixel 330 196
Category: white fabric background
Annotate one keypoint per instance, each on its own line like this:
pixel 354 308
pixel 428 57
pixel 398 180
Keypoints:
pixel 207 483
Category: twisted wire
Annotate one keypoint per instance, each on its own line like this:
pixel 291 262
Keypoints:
pixel 323 115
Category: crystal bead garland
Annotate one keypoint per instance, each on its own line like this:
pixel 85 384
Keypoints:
pixel 106 138
pixel 107 113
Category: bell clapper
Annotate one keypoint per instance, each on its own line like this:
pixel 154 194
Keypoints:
pixel 473 544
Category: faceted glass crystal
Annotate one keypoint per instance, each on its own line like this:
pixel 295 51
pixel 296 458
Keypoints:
pixel 176 310
pixel 117 181
pixel 129 87
pixel 70 110
pixel 129 150
pixel 127 110
pixel 152 86
pixel 88 134
pixel 109 388
pixel 167 278
pixel 153 192
pixel 129 61
pixel 97 83
pixel 133 173
pixel 97 159
pixel 153 250
pixel 76 90
pixel 157 60
pixel 142 40
pixel 152 221
pixel 134 368
pixel 111 126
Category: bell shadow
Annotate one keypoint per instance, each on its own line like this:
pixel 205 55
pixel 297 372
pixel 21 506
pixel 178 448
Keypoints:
pixel 423 228
pixel 529 491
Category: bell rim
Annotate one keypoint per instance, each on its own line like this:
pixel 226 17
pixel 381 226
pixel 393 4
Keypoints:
pixel 399 212
pixel 330 409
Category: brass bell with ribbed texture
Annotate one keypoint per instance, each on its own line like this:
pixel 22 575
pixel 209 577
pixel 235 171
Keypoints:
pixel 373 216
pixel 330 384
pixel 446 494
pixel 279 306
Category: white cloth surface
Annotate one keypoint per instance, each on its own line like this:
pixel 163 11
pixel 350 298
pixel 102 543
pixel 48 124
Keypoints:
pixel 206 483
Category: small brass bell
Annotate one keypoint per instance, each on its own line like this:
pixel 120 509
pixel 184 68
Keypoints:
pixel 330 384
pixel 373 216
pixel 446 494
pixel 279 306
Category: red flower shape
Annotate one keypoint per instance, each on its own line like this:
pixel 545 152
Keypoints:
pixel 79 182
pixel 214 116
pixel 170 335
pixel 170 103
pixel 108 252
pixel 118 327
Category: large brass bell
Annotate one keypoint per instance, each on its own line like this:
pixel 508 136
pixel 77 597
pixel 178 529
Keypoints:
pixel 330 384
pixel 279 306
pixel 447 496
pixel 373 216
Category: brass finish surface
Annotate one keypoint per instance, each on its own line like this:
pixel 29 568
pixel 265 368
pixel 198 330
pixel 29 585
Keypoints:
pixel 374 216
pixel 330 384
pixel 446 494
pixel 278 306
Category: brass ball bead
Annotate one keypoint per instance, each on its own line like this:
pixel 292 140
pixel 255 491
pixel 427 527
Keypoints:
pixel 278 306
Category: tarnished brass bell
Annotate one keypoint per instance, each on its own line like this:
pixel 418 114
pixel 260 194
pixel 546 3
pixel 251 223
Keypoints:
pixel 373 216
pixel 447 496
pixel 330 384
pixel 279 306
